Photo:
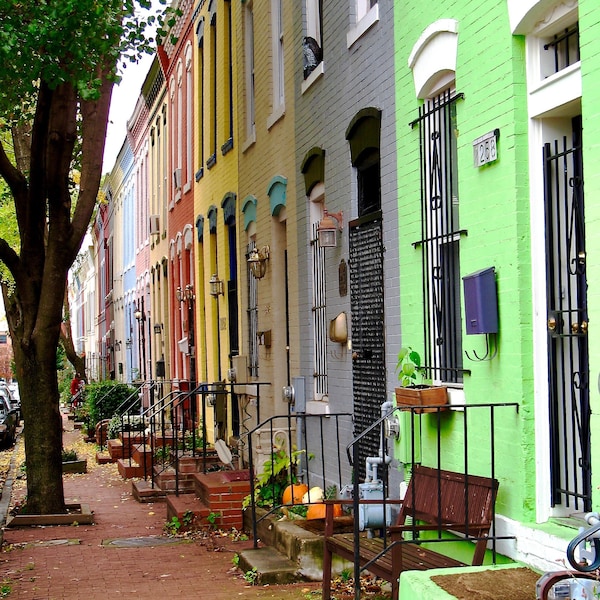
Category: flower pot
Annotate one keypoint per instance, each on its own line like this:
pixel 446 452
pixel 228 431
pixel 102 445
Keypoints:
pixel 427 398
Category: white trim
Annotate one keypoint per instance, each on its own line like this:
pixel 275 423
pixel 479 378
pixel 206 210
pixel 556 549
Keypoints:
pixel 356 32
pixel 433 58
pixel 316 74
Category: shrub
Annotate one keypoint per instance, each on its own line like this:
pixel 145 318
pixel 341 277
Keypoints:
pixel 104 398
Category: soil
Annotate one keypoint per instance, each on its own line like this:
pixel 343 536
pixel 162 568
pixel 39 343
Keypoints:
pixel 501 584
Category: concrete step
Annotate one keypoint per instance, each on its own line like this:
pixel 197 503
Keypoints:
pixel 271 566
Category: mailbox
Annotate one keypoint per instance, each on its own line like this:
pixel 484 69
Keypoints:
pixel 481 301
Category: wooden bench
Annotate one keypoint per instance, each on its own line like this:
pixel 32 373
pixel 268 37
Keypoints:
pixel 436 500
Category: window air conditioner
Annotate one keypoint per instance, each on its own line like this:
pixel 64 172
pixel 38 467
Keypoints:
pixel 154 225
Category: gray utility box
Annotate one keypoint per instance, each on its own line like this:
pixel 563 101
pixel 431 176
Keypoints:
pixel 481 301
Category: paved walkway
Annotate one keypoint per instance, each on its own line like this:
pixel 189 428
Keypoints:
pixel 103 560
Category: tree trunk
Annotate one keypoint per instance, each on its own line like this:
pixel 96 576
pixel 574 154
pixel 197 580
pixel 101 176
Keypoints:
pixel 36 368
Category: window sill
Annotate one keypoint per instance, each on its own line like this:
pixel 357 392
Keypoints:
pixel 356 32
pixel 314 76
pixel 250 141
pixel 276 115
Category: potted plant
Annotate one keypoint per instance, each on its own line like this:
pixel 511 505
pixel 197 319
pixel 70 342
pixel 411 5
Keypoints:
pixel 412 393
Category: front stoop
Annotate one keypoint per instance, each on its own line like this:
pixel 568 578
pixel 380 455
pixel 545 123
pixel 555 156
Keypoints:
pixel 271 566
pixel 179 506
pixel 224 492
pixel 103 458
pixel 143 492
pixel 141 453
pixel 115 449
pixel 129 469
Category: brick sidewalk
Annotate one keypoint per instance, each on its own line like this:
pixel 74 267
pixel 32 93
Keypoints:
pixel 72 562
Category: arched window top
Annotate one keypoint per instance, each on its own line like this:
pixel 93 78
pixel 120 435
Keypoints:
pixel 228 206
pixel 200 228
pixel 313 168
pixel 249 211
pixel 212 219
pixel 363 133
pixel 200 32
pixel 276 191
pixel 188 236
pixel 524 15
pixel 433 58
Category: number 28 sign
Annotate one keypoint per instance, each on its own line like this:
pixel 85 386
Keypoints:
pixel 485 149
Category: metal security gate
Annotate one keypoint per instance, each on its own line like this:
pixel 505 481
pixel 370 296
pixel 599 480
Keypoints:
pixel 568 358
pixel 368 339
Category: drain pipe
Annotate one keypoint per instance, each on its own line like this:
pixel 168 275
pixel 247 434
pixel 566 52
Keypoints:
pixel 373 461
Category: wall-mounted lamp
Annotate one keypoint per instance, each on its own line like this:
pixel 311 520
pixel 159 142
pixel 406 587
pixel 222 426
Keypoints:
pixel 257 261
pixel 158 328
pixel 183 295
pixel 216 286
pixel 328 228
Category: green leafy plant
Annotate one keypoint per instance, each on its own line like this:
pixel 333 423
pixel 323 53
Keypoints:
pixel 251 576
pixel 409 366
pixel 278 472
pixel 173 526
pixel 346 575
pixel 188 519
pixel 69 455
pixel 5 588
pixel 235 561
pixel 212 518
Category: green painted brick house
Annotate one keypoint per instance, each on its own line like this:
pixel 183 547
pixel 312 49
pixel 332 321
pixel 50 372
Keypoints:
pixel 496 106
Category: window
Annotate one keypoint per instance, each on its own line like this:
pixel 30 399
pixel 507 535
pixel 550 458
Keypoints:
pixel 312 44
pixel 561 50
pixel 189 106
pixel 249 74
pixel 440 238
pixel 278 66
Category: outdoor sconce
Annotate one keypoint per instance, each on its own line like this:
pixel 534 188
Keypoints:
pixel 157 328
pixel 179 294
pixel 183 295
pixel 216 286
pixel 257 261
pixel 328 228
pixel 139 315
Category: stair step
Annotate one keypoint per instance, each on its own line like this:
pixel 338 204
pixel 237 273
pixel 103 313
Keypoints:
pixel 103 458
pixel 128 470
pixel 179 506
pixel 115 449
pixel 271 566
pixel 143 491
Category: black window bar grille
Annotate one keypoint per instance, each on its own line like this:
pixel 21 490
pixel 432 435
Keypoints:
pixel 565 47
pixel 440 238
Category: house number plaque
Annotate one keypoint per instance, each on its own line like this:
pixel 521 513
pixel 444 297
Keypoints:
pixel 485 149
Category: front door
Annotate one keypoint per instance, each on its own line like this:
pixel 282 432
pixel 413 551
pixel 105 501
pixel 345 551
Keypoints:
pixel 368 336
pixel 568 367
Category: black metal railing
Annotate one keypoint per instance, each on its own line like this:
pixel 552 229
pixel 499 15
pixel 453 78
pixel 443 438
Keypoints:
pixel 432 452
pixel 293 434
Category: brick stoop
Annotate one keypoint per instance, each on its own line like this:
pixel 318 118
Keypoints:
pixel 127 470
pixel 115 449
pixel 143 491
pixel 179 506
pixel 223 493
pixel 103 458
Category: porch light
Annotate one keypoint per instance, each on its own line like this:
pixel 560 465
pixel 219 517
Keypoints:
pixel 328 228
pixel 216 286
pixel 257 261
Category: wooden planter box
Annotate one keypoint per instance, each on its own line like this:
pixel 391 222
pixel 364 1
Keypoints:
pixel 425 396
pixel 75 466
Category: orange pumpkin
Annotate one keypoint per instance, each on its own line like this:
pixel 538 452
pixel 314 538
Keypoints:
pixel 293 493
pixel 317 511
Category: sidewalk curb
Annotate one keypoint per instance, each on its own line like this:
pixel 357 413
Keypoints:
pixel 7 487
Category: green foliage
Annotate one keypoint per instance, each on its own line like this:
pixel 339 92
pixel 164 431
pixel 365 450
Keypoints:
pixel 69 455
pixel 408 366
pixel 173 526
pixel 235 561
pixel 5 588
pixel 102 399
pixel 251 576
pixel 278 472
pixel 212 518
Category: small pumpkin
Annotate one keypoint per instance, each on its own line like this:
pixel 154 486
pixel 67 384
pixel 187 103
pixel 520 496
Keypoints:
pixel 293 493
pixel 317 511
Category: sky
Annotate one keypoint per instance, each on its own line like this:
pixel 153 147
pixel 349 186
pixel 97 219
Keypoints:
pixel 122 105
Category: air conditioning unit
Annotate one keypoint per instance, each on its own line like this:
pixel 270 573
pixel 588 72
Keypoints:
pixel 154 225
pixel 177 178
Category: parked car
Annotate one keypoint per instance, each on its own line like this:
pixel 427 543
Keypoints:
pixel 12 391
pixel 8 422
